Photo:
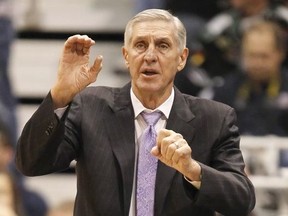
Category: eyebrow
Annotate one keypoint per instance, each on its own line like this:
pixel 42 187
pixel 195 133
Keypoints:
pixel 157 39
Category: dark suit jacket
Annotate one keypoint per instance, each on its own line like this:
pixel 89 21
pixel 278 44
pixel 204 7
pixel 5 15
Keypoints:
pixel 98 131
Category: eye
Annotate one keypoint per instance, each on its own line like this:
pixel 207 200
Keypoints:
pixel 163 46
pixel 140 46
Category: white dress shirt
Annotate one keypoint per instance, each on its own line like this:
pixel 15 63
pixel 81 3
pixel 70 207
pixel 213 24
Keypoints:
pixel 140 126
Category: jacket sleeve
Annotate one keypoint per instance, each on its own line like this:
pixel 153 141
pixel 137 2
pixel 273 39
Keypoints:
pixel 224 185
pixel 42 147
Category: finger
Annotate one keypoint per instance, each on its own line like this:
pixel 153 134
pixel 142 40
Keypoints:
pixel 87 46
pixel 170 143
pixel 184 151
pixel 85 41
pixel 86 49
pixel 88 41
pixel 163 133
pixel 73 47
pixel 79 43
pixel 164 140
pixel 83 44
pixel 171 149
pixel 155 151
pixel 71 41
pixel 79 48
pixel 97 66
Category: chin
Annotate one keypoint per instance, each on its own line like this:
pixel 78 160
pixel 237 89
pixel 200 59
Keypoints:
pixel 149 87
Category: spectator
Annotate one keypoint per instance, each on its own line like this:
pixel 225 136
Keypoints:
pixel 10 202
pixel 259 91
pixel 7 99
pixel 32 204
pixel 221 36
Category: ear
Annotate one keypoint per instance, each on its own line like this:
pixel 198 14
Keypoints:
pixel 182 59
pixel 125 56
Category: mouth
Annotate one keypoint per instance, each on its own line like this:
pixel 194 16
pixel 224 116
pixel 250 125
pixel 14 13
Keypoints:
pixel 149 72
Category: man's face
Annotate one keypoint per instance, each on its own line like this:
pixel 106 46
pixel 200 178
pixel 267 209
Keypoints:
pixel 153 57
pixel 261 59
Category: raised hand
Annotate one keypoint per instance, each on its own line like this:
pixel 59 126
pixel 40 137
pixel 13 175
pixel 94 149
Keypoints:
pixel 74 72
pixel 173 150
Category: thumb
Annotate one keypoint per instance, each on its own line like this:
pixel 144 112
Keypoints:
pixel 96 67
pixel 155 151
pixel 161 135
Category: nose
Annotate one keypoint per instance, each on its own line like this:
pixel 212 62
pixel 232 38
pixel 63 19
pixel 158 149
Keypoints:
pixel 150 55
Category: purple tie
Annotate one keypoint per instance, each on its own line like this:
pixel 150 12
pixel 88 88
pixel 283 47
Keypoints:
pixel 147 166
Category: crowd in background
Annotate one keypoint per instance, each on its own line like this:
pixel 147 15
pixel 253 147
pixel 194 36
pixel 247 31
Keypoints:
pixel 214 38
pixel 238 55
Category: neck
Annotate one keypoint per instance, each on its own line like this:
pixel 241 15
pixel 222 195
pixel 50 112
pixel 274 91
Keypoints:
pixel 266 85
pixel 152 100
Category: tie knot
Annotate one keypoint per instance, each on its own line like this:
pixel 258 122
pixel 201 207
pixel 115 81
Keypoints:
pixel 151 118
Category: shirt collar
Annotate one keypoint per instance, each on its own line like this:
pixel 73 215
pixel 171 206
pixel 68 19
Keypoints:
pixel 165 107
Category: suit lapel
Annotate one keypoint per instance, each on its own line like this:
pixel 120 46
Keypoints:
pixel 122 135
pixel 121 129
pixel 178 121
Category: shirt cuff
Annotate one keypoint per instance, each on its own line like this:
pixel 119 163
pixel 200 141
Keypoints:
pixel 196 184
pixel 60 111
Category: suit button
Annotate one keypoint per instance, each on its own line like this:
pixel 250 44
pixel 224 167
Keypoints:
pixel 47 132
pixel 49 129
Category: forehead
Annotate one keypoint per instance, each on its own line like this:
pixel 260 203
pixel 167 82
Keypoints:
pixel 158 28
pixel 255 40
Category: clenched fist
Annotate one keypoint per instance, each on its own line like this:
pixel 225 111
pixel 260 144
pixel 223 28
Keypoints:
pixel 173 150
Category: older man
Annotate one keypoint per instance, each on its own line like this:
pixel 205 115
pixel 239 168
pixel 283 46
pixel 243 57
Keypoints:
pixel 103 128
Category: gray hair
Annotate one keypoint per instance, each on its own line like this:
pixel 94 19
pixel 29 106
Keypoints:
pixel 157 14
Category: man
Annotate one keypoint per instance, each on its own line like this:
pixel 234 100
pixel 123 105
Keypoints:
pixel 101 126
pixel 28 202
pixel 221 36
pixel 8 103
pixel 258 89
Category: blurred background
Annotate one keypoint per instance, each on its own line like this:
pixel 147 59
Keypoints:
pixel 32 33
